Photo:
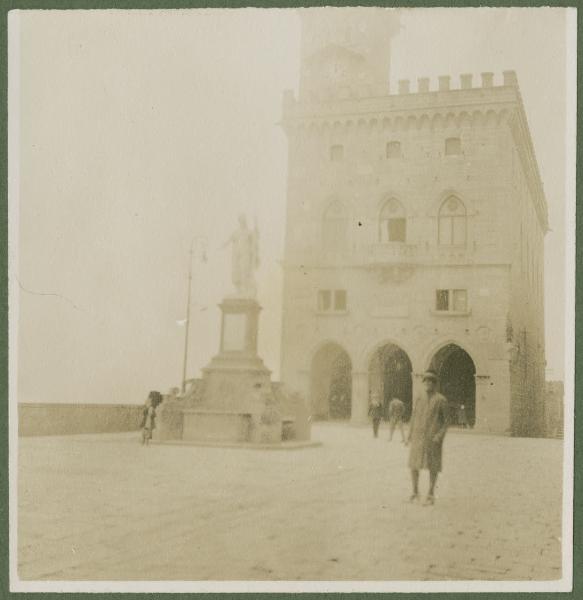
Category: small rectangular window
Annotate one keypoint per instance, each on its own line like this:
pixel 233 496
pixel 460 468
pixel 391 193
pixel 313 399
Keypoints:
pixel 336 152
pixel 453 146
pixel 397 230
pixel 460 300
pixel 324 300
pixel 340 300
pixel 451 300
pixel 394 149
pixel 442 300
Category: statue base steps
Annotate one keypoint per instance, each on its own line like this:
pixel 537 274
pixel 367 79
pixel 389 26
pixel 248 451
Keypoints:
pixel 291 445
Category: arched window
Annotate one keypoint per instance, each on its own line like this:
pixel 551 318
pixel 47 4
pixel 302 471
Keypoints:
pixel 392 222
pixel 452 222
pixel 335 227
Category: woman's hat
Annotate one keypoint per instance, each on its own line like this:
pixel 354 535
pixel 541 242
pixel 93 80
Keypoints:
pixel 429 374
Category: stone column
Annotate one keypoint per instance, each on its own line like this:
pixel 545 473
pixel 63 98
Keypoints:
pixel 359 397
pixel 417 381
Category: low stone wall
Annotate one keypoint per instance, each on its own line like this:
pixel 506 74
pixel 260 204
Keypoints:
pixel 65 419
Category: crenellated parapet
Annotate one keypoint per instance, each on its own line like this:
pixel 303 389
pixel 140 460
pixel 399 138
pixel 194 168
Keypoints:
pixel 438 105
pixel 428 105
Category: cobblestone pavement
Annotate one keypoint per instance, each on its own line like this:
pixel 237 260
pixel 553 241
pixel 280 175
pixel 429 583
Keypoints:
pixel 102 507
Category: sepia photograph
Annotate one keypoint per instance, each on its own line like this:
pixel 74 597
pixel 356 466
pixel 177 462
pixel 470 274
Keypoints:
pixel 291 299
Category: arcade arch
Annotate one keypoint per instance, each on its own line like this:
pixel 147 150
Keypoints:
pixel 456 370
pixel 331 383
pixel 390 375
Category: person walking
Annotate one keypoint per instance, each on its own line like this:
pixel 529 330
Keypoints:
pixel 149 416
pixel 427 430
pixel 463 418
pixel 375 412
pixel 396 414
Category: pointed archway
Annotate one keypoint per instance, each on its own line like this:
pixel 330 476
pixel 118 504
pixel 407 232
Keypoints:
pixel 331 383
pixel 457 371
pixel 390 375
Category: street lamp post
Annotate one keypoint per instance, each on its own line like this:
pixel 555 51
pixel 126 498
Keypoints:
pixel 200 243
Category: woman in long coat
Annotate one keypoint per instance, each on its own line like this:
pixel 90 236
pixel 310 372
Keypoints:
pixel 427 429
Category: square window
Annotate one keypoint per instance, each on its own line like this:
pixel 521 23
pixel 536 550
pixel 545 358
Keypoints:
pixel 394 150
pixel 397 230
pixel 442 300
pixel 324 300
pixel 340 300
pixel 336 153
pixel 460 300
pixel 453 146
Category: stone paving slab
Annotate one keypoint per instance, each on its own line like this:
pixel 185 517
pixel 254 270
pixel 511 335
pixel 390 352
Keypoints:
pixel 103 507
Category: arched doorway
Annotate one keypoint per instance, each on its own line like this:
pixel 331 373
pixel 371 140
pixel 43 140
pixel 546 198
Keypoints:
pixel 390 376
pixel 457 382
pixel 331 383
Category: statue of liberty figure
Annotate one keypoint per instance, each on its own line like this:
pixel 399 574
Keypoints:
pixel 245 258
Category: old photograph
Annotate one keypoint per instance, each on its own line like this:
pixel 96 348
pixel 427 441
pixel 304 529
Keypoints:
pixel 291 299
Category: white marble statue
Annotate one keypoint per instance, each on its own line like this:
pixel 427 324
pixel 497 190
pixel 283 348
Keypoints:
pixel 245 258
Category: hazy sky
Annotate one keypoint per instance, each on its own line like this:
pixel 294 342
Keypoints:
pixel 142 129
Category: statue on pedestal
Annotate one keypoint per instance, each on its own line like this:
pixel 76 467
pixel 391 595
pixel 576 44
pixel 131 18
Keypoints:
pixel 245 258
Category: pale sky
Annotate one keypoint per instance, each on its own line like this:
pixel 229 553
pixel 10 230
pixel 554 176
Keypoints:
pixel 142 129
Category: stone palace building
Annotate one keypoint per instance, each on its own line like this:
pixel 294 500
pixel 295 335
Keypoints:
pixel 415 230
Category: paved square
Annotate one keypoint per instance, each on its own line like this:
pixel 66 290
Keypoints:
pixel 102 507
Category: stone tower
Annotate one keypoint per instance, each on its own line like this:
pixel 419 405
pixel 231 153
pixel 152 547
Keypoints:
pixel 346 52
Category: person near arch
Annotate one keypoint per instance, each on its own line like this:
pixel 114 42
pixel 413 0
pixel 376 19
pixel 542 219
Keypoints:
pixel 463 417
pixel 375 411
pixel 427 430
pixel 396 414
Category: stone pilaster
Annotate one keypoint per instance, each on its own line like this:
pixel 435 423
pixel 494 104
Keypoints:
pixel 359 397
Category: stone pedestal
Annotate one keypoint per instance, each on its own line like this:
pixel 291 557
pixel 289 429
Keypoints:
pixel 235 402
pixel 238 345
pixel 238 403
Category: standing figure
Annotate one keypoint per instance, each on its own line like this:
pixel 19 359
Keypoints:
pixel 375 412
pixel 244 258
pixel 332 402
pixel 426 432
pixel 463 419
pixel 396 414
pixel 149 416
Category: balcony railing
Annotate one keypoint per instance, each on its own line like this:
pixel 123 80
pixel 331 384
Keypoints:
pixel 392 253
pixel 384 254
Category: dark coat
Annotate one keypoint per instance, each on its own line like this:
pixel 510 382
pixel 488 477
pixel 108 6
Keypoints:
pixel 149 418
pixel 427 429
pixel 375 411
